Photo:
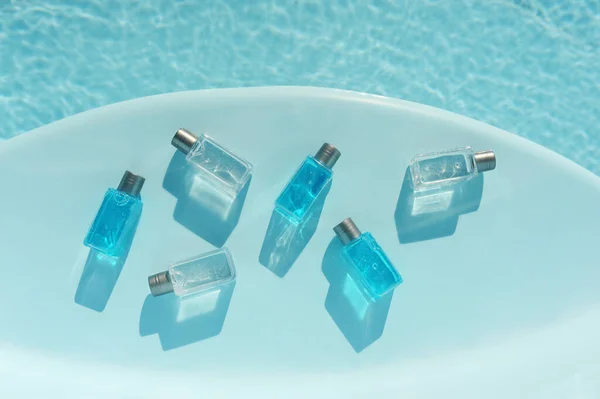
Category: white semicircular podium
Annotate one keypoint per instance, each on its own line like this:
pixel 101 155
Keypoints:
pixel 503 303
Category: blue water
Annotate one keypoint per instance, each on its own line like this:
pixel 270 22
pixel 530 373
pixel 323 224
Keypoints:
pixel 115 224
pixel 374 271
pixel 302 191
pixel 528 66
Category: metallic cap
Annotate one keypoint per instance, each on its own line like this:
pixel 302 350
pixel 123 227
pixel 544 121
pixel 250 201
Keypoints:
pixel 485 160
pixel 328 155
pixel 184 140
pixel 160 283
pixel 347 231
pixel 131 184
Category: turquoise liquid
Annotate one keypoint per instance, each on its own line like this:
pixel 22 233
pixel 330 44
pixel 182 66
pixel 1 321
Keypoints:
pixel 302 190
pixel 114 226
pixel 372 269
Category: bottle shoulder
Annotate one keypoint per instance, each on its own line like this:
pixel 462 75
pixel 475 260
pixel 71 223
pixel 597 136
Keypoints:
pixel 366 240
pixel 312 162
pixel 120 198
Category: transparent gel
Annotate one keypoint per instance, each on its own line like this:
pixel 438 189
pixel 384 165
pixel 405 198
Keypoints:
pixel 192 276
pixel 213 163
pixel 438 169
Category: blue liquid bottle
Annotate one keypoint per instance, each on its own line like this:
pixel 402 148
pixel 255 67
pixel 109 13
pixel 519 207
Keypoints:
pixel 305 186
pixel 371 269
pixel 114 226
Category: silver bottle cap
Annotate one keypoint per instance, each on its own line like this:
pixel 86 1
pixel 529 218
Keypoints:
pixel 485 160
pixel 184 140
pixel 347 231
pixel 160 283
pixel 328 155
pixel 131 184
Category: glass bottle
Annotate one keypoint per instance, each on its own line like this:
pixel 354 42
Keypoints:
pixel 221 168
pixel 438 169
pixel 371 269
pixel 204 272
pixel 113 228
pixel 307 183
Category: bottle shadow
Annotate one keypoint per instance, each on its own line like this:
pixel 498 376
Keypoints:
pixel 360 320
pixel 285 240
pixel 202 209
pixel 181 321
pixel 432 214
pixel 98 279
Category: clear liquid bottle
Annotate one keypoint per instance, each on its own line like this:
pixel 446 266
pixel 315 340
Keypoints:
pixel 220 167
pixel 113 228
pixel 371 269
pixel 195 275
pixel 433 170
pixel 307 184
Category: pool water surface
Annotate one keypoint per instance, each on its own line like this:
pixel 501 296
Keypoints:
pixel 531 67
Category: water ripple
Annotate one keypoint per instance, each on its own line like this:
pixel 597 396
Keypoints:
pixel 527 66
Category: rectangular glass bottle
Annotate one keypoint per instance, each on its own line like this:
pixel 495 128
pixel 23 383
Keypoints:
pixel 433 170
pixel 114 226
pixel 371 269
pixel 195 275
pixel 218 166
pixel 307 184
